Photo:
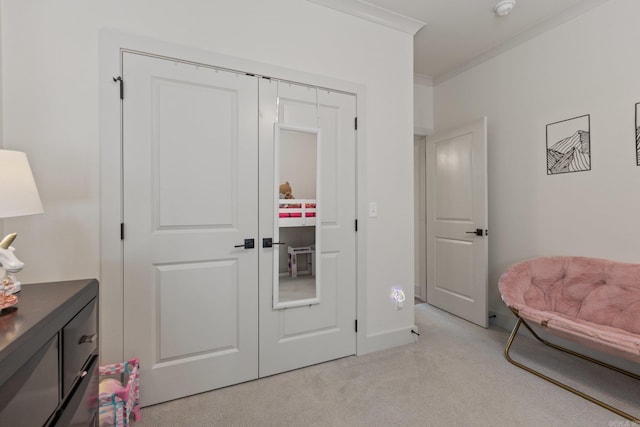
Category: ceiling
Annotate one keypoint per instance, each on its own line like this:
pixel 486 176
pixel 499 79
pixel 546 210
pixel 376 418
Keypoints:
pixel 462 33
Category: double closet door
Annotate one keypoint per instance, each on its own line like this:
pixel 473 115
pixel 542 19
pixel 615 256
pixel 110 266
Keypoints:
pixel 225 279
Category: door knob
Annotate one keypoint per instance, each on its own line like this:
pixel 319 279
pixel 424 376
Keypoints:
pixel 478 232
pixel 248 244
pixel 268 242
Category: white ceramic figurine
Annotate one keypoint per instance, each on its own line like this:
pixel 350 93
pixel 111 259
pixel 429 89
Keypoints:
pixel 10 264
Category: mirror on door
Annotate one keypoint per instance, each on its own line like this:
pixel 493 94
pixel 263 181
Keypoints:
pixel 296 231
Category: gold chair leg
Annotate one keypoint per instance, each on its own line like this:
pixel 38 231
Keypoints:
pixel 562 385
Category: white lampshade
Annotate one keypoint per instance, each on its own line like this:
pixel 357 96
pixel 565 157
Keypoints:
pixel 18 191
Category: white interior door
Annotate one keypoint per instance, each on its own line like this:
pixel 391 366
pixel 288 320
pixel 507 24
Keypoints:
pixel 321 326
pixel 190 161
pixel 457 242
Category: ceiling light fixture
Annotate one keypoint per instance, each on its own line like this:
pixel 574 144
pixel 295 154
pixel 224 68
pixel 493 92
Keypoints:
pixel 504 7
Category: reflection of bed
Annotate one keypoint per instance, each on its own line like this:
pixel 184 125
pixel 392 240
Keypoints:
pixel 297 212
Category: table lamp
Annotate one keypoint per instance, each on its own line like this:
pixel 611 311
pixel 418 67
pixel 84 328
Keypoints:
pixel 19 197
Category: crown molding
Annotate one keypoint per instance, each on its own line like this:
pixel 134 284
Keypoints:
pixel 372 13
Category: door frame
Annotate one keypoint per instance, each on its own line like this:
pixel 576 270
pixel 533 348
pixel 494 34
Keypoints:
pixel 111 46
pixel 420 207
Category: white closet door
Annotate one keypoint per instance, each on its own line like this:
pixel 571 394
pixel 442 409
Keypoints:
pixel 190 197
pixel 298 336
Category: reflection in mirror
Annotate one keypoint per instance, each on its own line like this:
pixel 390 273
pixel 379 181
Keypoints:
pixel 296 278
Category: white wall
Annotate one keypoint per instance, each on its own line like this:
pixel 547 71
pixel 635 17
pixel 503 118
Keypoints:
pixel 51 97
pixel 585 66
pixel 422 105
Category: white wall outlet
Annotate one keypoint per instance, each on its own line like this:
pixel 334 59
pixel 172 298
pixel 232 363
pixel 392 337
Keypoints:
pixel 373 209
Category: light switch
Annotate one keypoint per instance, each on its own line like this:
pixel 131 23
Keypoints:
pixel 373 209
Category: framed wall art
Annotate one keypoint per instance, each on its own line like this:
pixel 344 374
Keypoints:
pixel 569 145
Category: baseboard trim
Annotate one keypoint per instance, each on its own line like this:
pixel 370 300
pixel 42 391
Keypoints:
pixel 390 339
pixel 502 320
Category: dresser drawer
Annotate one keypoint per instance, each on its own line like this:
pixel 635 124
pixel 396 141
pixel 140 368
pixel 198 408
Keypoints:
pixel 30 396
pixel 82 406
pixel 79 341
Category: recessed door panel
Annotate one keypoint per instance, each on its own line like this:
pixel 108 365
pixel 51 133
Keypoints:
pixel 208 293
pixel 331 161
pixel 185 168
pixel 453 176
pixel 297 107
pixel 319 318
pixel 454 267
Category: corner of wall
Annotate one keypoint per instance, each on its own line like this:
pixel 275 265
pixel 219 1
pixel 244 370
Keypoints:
pixel 502 320
pixel 422 105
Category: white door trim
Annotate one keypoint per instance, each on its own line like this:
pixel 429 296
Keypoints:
pixel 420 203
pixel 112 43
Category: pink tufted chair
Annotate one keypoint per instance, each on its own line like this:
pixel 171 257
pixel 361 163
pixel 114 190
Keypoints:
pixel 592 301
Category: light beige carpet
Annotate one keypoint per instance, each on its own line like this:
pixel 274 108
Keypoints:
pixel 455 375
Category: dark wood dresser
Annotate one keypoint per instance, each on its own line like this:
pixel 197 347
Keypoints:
pixel 49 356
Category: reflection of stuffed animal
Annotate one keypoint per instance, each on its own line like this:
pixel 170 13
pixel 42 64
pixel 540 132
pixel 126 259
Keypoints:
pixel 285 191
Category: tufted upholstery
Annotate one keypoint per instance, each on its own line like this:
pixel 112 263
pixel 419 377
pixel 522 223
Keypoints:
pixel 593 301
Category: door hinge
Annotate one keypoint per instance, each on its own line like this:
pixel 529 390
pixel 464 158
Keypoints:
pixel 119 80
pixel 355 124
pixel 356 225
pixel 356 325
pixel 122 231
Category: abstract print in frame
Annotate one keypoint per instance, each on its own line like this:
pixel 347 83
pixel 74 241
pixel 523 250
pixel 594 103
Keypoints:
pixel 637 135
pixel 569 145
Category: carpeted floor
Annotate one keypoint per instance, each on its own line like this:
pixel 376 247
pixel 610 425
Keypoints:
pixel 455 375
